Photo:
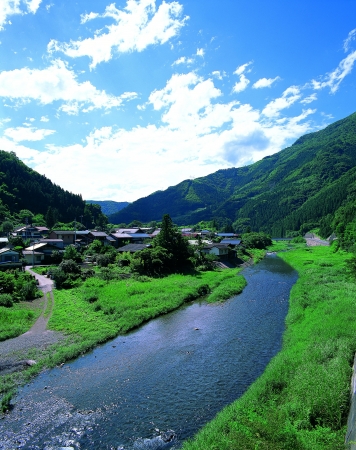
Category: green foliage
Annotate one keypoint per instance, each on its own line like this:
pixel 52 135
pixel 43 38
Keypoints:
pixel 19 285
pixel 71 253
pixel 7 226
pixel 109 207
pixel 156 261
pixel 298 240
pixel 6 300
pixel 256 240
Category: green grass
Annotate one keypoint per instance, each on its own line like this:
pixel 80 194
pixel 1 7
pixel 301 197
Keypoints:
pixel 98 311
pixel 302 400
pixel 19 318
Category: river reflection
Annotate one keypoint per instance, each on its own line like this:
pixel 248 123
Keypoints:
pixel 157 386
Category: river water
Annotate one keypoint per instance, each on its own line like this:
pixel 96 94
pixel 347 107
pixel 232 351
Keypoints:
pixel 157 386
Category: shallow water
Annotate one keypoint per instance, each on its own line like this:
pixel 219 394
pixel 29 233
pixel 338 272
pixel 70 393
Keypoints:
pixel 157 386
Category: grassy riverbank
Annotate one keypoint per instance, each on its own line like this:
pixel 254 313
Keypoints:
pixel 98 311
pixel 302 400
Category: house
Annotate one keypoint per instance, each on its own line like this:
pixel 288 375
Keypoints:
pixel 138 238
pixel 220 250
pixel 43 250
pixel 120 239
pixel 231 242
pixel 4 242
pixel 68 237
pixel 133 248
pixel 129 230
pixel 100 236
pixel 57 243
pixel 32 257
pixel 226 235
pixel 28 232
pixel 9 259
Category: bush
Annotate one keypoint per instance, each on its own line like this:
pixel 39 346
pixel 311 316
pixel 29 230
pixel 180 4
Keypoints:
pixel 298 240
pixel 256 240
pixel 6 300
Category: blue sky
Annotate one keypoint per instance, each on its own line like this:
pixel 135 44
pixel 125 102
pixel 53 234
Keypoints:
pixel 117 100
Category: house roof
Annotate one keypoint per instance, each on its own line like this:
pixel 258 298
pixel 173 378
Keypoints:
pixel 42 228
pixel 231 241
pixel 226 234
pixel 121 235
pixel 47 241
pixel 5 250
pixel 132 248
pixel 110 238
pixel 128 230
pixel 98 233
pixel 29 252
pixel 36 246
pixel 4 239
pixel 141 236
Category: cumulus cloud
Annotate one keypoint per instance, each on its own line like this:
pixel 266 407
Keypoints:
pixel 289 96
pixel 264 82
pixel 183 60
pixel 333 79
pixel 20 134
pixel 12 7
pixel 57 83
pixel 241 69
pixel 135 27
pixel 199 133
pixel 241 85
pixel 351 37
pixel 200 52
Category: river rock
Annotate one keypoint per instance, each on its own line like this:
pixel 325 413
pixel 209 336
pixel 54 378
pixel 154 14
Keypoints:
pixel 30 362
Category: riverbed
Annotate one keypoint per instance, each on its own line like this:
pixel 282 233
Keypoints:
pixel 157 386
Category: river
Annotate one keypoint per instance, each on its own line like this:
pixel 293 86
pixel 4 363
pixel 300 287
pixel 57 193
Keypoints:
pixel 157 386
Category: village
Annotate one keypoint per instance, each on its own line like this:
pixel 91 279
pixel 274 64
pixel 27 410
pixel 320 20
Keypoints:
pixel 43 243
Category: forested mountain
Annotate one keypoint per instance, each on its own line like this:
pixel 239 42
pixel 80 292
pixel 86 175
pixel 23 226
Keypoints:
pixel 109 207
pixel 298 188
pixel 21 188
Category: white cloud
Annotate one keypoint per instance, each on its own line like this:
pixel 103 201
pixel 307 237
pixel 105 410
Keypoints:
pixel 289 96
pixel 12 7
pixel 200 52
pixel 44 119
pixel 264 82
pixel 351 37
pixel 199 134
pixel 57 83
pixel 241 69
pixel 309 99
pixel 217 74
pixel 183 60
pixel 241 85
pixel 137 26
pixel 20 134
pixel 333 79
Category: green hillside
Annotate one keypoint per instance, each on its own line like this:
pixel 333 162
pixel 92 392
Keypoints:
pixel 302 186
pixel 109 207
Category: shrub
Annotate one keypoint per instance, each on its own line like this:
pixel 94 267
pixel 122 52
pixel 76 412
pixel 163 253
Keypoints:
pixel 6 300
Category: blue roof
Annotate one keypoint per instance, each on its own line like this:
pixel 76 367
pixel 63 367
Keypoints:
pixel 231 241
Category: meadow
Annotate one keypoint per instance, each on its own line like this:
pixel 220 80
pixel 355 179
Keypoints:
pixel 302 400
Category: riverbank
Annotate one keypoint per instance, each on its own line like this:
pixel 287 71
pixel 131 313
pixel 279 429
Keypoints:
pixel 301 402
pixel 98 311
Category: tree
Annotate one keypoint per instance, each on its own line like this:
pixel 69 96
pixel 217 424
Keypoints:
pixel 171 239
pixel 7 226
pixel 256 240
pixel 72 253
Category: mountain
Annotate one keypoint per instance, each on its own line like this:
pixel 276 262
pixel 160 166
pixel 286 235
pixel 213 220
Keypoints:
pixel 301 186
pixel 109 207
pixel 22 188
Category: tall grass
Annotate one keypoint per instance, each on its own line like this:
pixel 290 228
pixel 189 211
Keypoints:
pixel 18 319
pixel 302 400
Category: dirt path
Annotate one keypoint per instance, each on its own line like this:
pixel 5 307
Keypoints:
pixel 19 352
pixel 312 242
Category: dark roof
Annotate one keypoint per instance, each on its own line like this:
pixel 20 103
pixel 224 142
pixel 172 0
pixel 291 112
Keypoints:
pixel 141 236
pixel 128 230
pixel 215 245
pixel 51 240
pixel 98 234
pixel 121 235
pixel 132 248
pixel 226 234
pixel 231 241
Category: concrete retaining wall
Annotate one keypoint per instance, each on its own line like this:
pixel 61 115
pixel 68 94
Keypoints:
pixel 351 423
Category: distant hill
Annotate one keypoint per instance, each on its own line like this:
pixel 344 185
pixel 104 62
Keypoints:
pixel 23 188
pixel 109 207
pixel 301 186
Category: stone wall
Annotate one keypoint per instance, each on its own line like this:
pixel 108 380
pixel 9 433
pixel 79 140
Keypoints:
pixel 351 423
